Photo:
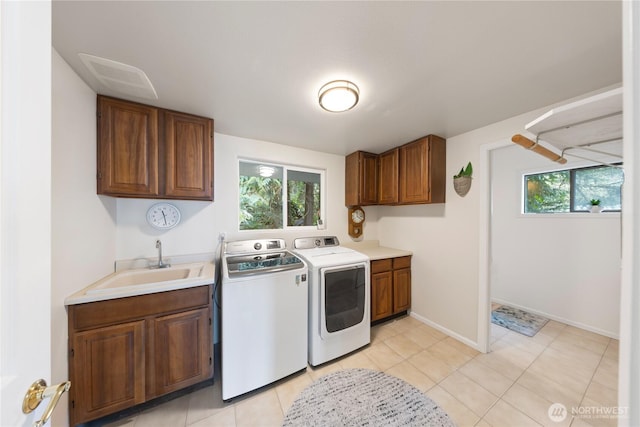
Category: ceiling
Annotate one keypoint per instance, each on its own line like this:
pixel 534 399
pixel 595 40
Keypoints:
pixel 432 67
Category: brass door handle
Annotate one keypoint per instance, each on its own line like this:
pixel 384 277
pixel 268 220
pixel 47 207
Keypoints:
pixel 37 393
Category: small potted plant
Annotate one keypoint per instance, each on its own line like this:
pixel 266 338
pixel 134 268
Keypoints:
pixel 462 180
pixel 595 206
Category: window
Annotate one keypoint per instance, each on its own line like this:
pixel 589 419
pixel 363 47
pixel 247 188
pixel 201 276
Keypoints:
pixel 572 190
pixel 272 194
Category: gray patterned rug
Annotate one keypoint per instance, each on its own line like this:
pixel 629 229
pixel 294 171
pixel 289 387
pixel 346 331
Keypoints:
pixel 362 397
pixel 518 320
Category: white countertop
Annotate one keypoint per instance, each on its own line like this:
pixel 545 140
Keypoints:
pixel 374 251
pixel 206 277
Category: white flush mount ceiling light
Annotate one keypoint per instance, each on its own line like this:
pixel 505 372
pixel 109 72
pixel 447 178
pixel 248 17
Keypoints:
pixel 338 96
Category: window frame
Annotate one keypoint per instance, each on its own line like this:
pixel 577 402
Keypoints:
pixel 286 167
pixel 572 189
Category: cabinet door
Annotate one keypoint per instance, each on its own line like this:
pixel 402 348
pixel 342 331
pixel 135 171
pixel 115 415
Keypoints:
pixel 127 148
pixel 388 177
pixel 361 179
pixel 381 295
pixel 188 151
pixel 401 290
pixel 437 169
pixel 183 353
pixel 107 370
pixel 369 179
pixel 414 172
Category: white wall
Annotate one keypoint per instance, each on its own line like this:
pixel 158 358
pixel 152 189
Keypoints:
pixel 83 224
pixel 203 221
pixel 563 266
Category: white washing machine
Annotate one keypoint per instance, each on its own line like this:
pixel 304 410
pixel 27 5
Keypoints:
pixel 264 315
pixel 339 298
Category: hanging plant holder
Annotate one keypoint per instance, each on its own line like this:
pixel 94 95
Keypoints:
pixel 462 180
pixel 462 185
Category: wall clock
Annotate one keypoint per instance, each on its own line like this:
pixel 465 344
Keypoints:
pixel 356 221
pixel 163 216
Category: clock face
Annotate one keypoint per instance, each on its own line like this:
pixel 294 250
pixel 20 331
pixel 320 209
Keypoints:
pixel 357 216
pixel 163 216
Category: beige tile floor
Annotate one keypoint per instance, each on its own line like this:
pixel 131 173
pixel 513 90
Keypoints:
pixel 512 386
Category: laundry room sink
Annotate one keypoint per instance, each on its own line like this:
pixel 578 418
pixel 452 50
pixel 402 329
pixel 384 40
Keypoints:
pixel 138 281
pixel 128 278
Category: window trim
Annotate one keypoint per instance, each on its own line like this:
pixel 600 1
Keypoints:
pixel 285 195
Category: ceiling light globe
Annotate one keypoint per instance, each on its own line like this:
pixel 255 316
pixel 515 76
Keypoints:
pixel 338 96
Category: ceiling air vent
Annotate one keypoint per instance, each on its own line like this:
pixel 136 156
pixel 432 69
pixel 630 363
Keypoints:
pixel 119 77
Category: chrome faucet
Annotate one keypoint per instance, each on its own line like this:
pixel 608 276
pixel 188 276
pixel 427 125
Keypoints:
pixel 160 263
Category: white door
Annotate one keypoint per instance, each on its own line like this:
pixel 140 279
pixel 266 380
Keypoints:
pixel 25 205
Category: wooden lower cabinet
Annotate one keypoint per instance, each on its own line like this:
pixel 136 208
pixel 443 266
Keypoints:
pixel 127 351
pixel 390 287
pixel 182 350
pixel 109 370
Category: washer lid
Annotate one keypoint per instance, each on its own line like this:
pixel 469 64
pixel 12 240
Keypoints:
pixel 244 265
pixel 254 246
pixel 329 256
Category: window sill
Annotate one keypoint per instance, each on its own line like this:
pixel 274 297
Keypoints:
pixel 572 215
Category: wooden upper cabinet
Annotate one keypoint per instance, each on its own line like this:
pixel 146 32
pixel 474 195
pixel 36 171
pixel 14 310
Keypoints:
pixel 388 173
pixel 188 156
pixel 410 174
pixel 422 169
pixel 127 148
pixel 150 152
pixel 361 179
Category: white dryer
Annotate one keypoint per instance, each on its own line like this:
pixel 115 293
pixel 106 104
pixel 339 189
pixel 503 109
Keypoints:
pixel 339 298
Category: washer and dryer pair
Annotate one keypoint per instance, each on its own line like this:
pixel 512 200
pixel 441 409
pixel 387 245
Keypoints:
pixel 281 310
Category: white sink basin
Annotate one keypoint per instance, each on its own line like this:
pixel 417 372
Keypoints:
pixel 145 277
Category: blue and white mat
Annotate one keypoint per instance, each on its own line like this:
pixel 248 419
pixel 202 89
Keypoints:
pixel 518 320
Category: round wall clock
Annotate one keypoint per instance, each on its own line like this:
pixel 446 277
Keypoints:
pixel 356 218
pixel 163 216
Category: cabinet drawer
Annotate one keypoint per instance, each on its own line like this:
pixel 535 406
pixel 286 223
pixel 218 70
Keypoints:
pixel 380 265
pixel 101 313
pixel 402 262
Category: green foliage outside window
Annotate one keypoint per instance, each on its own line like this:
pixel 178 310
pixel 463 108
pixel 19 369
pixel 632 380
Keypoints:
pixel 548 192
pixel 602 183
pixel 572 190
pixel 304 203
pixel 262 198
pixel 260 203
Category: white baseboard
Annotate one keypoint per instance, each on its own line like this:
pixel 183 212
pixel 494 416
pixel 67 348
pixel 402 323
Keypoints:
pixel 559 319
pixel 446 331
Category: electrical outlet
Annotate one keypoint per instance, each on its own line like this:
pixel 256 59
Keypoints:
pixel 222 236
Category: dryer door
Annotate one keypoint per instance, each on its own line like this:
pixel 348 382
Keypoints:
pixel 343 298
